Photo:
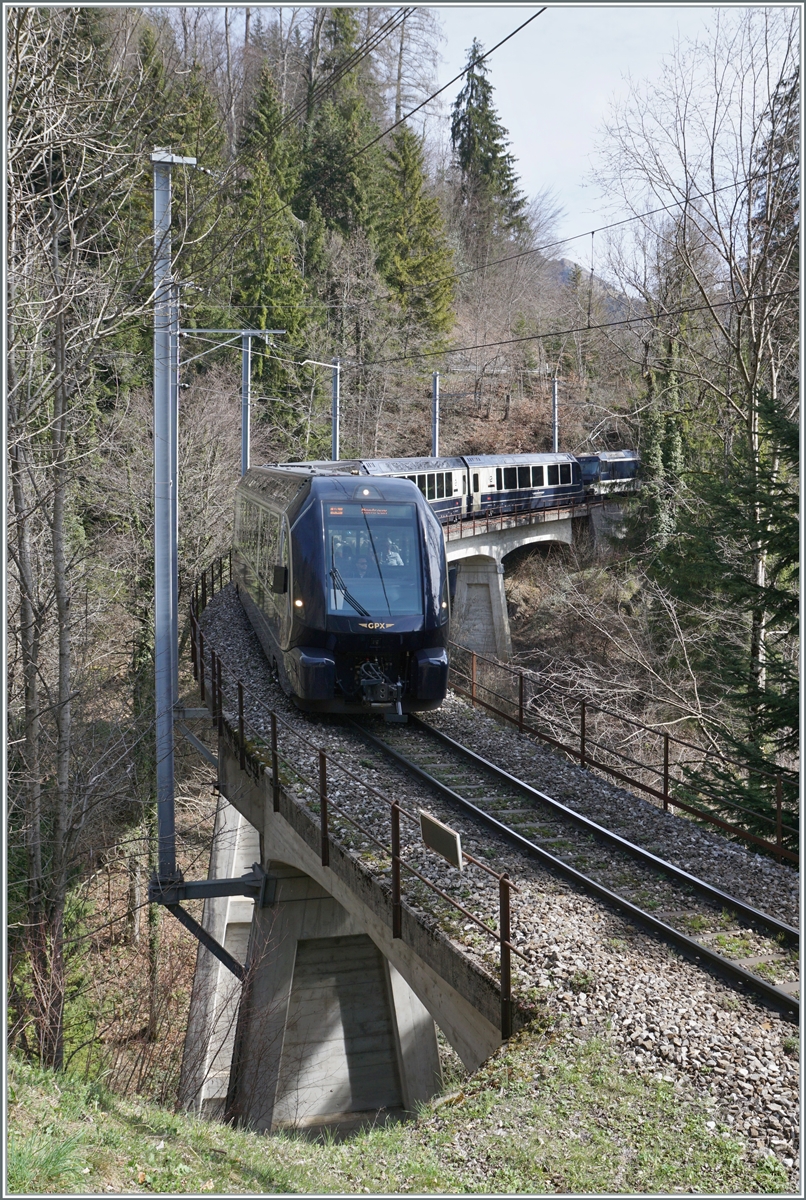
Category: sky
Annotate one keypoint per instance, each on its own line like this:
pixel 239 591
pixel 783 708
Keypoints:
pixel 554 81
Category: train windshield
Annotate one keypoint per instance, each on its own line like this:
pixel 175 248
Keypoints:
pixel 590 468
pixel 373 560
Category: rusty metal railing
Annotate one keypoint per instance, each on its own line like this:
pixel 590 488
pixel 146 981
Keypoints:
pixel 513 517
pixel 223 692
pixel 591 752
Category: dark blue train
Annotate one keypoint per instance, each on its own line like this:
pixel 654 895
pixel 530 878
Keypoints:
pixel 345 582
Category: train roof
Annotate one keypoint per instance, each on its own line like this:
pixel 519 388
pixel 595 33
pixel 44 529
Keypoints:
pixel 287 484
pixel 324 466
pixel 389 466
pixel 609 455
pixel 515 460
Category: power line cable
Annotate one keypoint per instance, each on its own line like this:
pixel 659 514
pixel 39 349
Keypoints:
pixel 455 79
pixel 428 100
pixel 368 45
pixel 576 236
pixel 549 333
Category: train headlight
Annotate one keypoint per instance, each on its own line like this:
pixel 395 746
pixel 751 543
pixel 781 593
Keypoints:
pixel 444 603
pixel 298 604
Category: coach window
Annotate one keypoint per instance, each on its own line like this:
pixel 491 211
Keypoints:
pixel 440 485
pixel 475 482
pixel 565 472
pixel 524 477
pixel 421 483
pixel 553 473
pixel 510 477
pixel 499 479
pixel 432 491
pixel 537 476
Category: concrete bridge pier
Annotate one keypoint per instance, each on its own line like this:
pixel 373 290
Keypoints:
pixel 479 618
pixel 330 1036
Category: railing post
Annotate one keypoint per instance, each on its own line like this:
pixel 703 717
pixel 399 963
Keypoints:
pixel 397 911
pixel 220 574
pixel 213 688
pixel 201 665
pixel 520 702
pixel 194 649
pixel 220 705
pixel 275 765
pixel 241 731
pixel 582 734
pixel 212 580
pixel 473 677
pixel 323 807
pixel 779 833
pixel 506 958
pixel 229 559
pixel 666 772
pixel 204 590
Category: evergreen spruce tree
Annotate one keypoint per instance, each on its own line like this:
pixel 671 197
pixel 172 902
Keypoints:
pixel 490 196
pixel 343 183
pixel 414 256
pixel 269 291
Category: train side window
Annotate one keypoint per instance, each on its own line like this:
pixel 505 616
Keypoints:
pixel 421 483
pixel 553 473
pixel 537 476
pixel 565 472
pixel 524 477
pixel 432 492
pixel 510 477
pixel 499 479
pixel 475 482
pixel 576 472
pixel 440 485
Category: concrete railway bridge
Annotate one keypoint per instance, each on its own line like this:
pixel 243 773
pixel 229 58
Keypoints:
pixel 316 996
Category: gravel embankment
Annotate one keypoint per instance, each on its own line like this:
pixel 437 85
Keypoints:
pixel 664 1015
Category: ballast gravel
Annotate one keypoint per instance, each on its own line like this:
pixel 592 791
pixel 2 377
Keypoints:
pixel 593 970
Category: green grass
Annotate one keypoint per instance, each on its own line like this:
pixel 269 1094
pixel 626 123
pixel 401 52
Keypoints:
pixel 540 1117
pixel 734 946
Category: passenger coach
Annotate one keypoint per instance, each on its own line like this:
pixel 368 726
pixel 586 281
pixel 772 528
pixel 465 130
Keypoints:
pixel 610 471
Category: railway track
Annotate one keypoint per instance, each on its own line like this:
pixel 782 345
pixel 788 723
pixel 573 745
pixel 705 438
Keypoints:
pixel 749 948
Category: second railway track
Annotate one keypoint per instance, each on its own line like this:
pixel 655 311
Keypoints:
pixel 750 948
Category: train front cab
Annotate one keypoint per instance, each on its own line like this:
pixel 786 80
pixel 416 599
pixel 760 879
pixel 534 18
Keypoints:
pixel 369 557
pixel 363 596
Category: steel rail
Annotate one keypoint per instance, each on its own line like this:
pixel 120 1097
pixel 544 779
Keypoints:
pixel 693 949
pixel 772 924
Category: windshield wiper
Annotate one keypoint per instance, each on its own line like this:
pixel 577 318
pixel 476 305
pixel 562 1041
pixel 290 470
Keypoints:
pixel 340 584
pixel 377 561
